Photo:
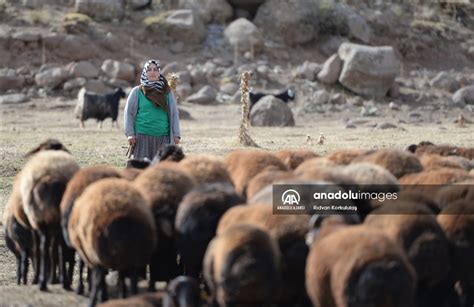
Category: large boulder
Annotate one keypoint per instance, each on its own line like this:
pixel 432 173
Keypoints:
pixel 13 98
pixel 329 74
pixel 206 95
pixel 243 34
pixel 84 69
pixel 337 18
pixel 69 47
pixel 271 112
pixel 119 70
pixel 218 11
pixel 52 77
pixel 106 10
pixel 289 22
pixel 464 95
pixel 97 86
pixel 185 26
pixel 368 71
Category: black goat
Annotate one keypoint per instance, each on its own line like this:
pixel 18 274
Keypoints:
pixel 97 106
pixel 288 95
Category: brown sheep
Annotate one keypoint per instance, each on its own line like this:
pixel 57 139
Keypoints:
pixel 181 292
pixel 78 183
pixel 113 229
pixel 356 266
pixel 371 177
pixel 451 193
pixel 294 157
pixel 206 169
pixel 414 227
pixel 42 184
pixel 164 185
pixel 435 177
pixel 289 231
pixel 344 156
pixel 314 165
pixel 49 144
pixel 433 161
pixel 265 178
pixel 241 267
pixel 243 165
pixel 457 222
pixel 442 150
pixel 398 162
pixel 196 221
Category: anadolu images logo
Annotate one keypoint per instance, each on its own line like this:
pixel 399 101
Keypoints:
pixel 290 197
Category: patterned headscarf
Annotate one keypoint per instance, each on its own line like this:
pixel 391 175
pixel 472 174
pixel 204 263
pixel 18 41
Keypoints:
pixel 161 84
pixel 154 90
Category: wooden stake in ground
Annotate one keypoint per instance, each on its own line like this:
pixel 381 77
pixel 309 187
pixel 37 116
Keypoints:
pixel 244 137
pixel 173 80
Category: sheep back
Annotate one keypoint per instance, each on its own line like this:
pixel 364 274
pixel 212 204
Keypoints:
pixel 398 162
pixel 294 157
pixel 206 169
pixel 43 181
pixel 115 225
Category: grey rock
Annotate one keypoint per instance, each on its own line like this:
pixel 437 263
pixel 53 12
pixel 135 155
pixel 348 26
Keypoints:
pixel 74 83
pixel 243 35
pixel 271 112
pixel 13 99
pixel 331 70
pixel 206 95
pixel 51 78
pixel 386 125
pixel 445 81
pixel 119 70
pixel 84 69
pixel 464 96
pixel 105 10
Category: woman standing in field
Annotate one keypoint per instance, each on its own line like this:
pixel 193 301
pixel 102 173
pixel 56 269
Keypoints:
pixel 151 118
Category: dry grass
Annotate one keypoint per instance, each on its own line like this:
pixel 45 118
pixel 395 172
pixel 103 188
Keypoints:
pixel 213 131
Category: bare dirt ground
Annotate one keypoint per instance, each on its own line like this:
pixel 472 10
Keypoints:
pixel 213 130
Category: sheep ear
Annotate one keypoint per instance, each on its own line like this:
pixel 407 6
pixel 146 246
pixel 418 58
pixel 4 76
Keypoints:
pixel 166 227
pixel 33 151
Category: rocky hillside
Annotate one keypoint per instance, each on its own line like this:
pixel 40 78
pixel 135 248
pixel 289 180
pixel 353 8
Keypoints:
pixel 52 47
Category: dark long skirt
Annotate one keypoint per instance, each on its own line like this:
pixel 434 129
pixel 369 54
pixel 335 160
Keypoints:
pixel 147 146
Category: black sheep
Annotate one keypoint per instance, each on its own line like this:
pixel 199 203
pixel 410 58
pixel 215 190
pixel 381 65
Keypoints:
pixel 97 106
pixel 287 95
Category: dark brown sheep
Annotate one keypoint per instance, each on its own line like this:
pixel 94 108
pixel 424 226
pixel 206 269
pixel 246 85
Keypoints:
pixel 243 165
pixel 78 183
pixel 289 231
pixel 457 222
pixel 451 193
pixel 18 238
pixel 356 266
pixel 42 184
pixel 113 229
pixel 442 150
pixel 164 185
pixel 413 226
pixel 398 162
pixel 196 221
pixel 433 161
pixel 294 157
pixel 49 144
pixel 241 267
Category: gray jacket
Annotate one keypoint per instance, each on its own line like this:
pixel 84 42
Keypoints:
pixel 131 108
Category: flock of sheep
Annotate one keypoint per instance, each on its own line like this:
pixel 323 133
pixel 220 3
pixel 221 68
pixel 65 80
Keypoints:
pixel 205 225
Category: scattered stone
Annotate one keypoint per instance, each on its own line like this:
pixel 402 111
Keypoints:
pixel 243 35
pixel 105 10
pixel 206 95
pixel 183 114
pixel 217 11
pixel 74 84
pixel 84 69
pixel 369 111
pixel 11 82
pixel 464 96
pixel 185 26
pixel 356 101
pixel 51 78
pixel 321 97
pixel 394 91
pixel 338 99
pixel 393 106
pixel 97 86
pixel 307 70
pixel 350 126
pixel 330 44
pixel 13 99
pixel 119 70
pixel 229 88
pixel 386 125
pixel 288 22
pixel 445 81
pixel 271 112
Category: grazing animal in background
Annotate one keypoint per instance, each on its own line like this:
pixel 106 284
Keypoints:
pixel 288 95
pixel 100 107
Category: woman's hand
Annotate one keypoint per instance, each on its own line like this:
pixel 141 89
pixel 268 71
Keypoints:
pixel 132 140
pixel 177 140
